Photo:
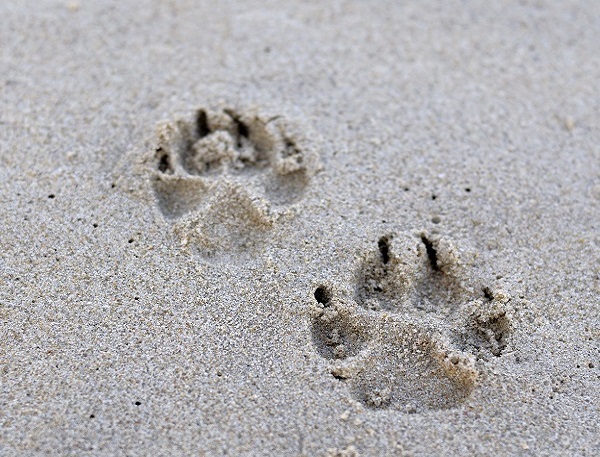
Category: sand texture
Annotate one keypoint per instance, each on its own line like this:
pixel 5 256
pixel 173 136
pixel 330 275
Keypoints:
pixel 300 228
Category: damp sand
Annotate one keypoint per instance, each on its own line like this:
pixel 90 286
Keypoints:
pixel 247 228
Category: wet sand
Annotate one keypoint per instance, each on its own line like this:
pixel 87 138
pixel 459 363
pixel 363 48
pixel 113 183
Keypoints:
pixel 308 229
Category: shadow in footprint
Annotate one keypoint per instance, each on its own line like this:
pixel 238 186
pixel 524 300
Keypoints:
pixel 381 284
pixel 488 326
pixel 407 274
pixel 335 334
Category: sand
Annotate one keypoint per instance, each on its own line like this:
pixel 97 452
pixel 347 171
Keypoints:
pixel 299 228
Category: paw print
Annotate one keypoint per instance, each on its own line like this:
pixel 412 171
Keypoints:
pixel 410 336
pixel 223 177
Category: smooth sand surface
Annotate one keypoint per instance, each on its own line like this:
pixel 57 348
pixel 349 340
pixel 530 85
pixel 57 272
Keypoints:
pixel 299 228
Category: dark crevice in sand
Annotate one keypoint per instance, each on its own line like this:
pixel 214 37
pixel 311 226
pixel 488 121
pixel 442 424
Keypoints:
pixel 164 163
pixel 323 295
pixel 202 127
pixel 487 293
pixel 431 252
pixel 384 249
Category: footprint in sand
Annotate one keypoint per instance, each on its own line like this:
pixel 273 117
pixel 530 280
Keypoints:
pixel 410 336
pixel 223 177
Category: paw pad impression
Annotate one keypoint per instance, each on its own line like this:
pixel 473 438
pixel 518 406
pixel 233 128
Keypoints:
pixel 224 176
pixel 411 335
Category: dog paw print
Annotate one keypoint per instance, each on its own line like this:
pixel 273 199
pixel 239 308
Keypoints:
pixel 411 335
pixel 225 176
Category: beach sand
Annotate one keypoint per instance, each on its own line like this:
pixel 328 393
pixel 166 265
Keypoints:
pixel 299 228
